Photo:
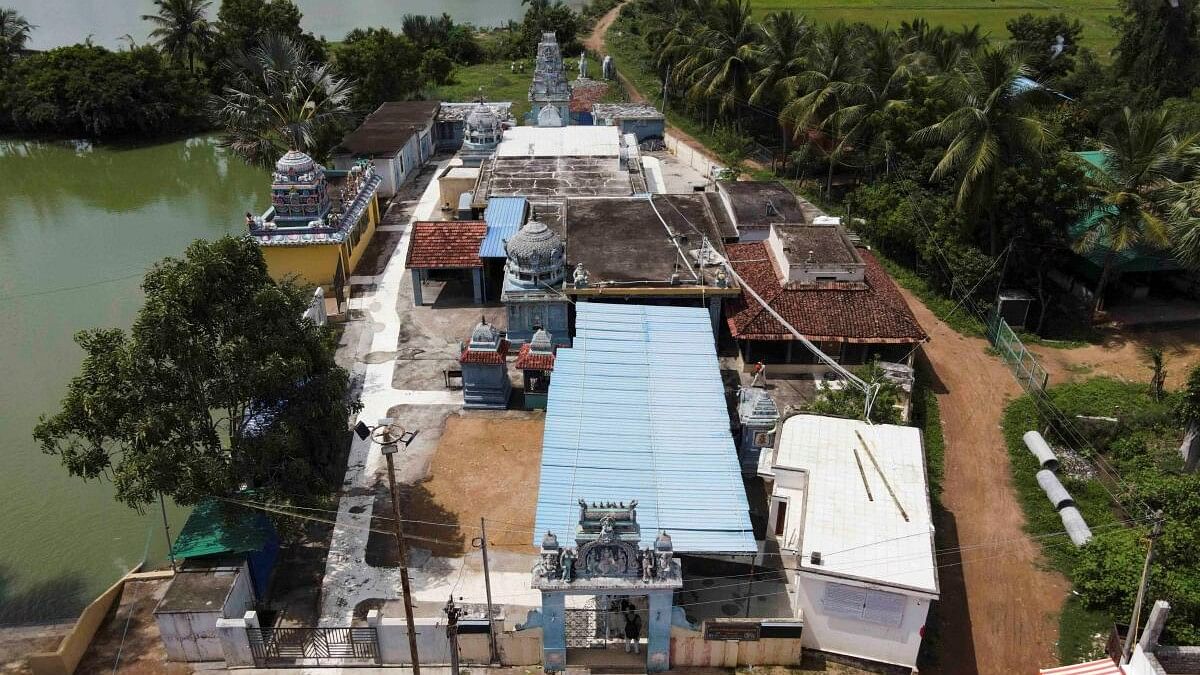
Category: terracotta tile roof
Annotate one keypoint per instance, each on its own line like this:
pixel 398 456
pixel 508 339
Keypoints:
pixel 834 312
pixel 528 360
pixel 476 356
pixel 451 244
pixel 587 93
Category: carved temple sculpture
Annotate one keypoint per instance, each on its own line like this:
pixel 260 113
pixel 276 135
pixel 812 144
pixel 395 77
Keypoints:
pixel 607 560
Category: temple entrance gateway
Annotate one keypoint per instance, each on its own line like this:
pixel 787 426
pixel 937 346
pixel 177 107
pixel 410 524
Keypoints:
pixel 624 587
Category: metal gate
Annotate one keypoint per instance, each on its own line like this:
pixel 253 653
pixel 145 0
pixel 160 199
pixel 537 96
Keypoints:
pixel 341 647
pixel 589 628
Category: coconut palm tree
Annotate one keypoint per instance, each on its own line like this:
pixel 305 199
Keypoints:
pixel 181 29
pixel 719 64
pixel 779 56
pixel 14 33
pixel 879 91
pixel 279 99
pixel 1143 155
pixel 993 125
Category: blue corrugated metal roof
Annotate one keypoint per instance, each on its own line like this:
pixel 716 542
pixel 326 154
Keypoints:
pixel 637 411
pixel 504 216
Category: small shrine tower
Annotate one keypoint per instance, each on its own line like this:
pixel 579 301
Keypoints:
pixel 482 132
pixel 536 362
pixel 549 87
pixel 759 418
pixel 533 278
pixel 299 191
pixel 485 369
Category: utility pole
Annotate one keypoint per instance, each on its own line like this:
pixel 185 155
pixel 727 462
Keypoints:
pixel 666 81
pixel 452 614
pixel 162 505
pixel 487 585
pixel 389 443
pixel 1131 636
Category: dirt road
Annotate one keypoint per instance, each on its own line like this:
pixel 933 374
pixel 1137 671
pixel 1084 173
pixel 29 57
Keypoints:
pixel 999 606
pixel 595 41
pixel 1120 356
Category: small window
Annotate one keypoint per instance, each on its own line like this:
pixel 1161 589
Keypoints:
pixel 780 518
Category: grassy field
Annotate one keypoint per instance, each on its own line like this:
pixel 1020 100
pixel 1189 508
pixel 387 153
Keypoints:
pixel 990 14
pixel 499 84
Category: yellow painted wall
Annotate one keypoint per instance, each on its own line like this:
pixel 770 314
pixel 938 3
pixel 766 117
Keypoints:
pixel 317 263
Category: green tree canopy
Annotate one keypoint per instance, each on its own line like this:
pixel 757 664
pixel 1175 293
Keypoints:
pixel 1037 37
pixel 1158 46
pixel 14 33
pixel 90 91
pixel 220 383
pixel 386 67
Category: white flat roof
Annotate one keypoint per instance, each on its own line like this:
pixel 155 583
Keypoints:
pixel 569 141
pixel 857 536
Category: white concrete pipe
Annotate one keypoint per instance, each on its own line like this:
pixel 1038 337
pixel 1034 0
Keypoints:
pixel 1075 526
pixel 1058 494
pixel 1041 449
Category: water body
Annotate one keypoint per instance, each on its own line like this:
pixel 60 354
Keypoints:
pixel 62 22
pixel 78 226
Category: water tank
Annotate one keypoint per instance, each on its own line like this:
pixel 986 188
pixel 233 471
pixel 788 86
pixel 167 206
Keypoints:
pixel 1075 526
pixel 1041 449
pixel 1058 494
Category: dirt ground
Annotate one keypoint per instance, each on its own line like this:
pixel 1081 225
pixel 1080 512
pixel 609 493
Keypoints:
pixel 139 647
pixel 999 607
pixel 1120 356
pixel 486 465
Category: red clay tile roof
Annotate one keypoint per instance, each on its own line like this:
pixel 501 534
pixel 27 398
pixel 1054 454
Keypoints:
pixel 528 360
pixel 446 245
pixel 586 93
pixel 832 312
pixel 496 357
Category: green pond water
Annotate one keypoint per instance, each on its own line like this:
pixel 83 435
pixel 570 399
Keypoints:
pixel 78 226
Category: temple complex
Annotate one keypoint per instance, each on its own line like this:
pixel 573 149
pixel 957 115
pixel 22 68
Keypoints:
pixel 320 220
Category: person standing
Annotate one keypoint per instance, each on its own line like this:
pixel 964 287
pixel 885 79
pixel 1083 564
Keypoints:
pixel 633 632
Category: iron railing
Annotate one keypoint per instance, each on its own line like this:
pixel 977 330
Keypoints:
pixel 1020 360
pixel 321 647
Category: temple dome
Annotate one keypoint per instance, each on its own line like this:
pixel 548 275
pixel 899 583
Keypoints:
pixel 541 341
pixel 534 239
pixel 295 161
pixel 482 119
pixel 485 336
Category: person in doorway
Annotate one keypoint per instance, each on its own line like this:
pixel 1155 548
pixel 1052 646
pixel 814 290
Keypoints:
pixel 633 632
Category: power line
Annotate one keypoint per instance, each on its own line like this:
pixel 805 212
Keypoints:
pixel 65 289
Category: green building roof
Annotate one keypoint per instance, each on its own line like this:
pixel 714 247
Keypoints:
pixel 217 527
pixel 1139 258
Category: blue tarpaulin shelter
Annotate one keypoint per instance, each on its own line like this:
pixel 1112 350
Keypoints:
pixel 637 410
pixel 217 528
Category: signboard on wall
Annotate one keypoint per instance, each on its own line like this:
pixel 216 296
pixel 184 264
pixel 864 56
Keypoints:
pixel 742 631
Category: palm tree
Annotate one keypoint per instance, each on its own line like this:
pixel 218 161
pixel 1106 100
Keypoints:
pixel 181 28
pixel 779 56
pixel 832 68
pixel 14 32
pixel 719 63
pixel 878 92
pixel 993 125
pixel 279 99
pixel 1142 156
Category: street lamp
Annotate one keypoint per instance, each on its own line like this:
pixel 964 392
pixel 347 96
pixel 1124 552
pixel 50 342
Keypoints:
pixel 389 437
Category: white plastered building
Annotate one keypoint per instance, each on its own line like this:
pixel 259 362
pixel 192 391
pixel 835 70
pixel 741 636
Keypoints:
pixel 851 515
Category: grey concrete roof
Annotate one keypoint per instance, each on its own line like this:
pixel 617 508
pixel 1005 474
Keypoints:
pixel 622 241
pixel 198 590
pixel 542 177
pixel 457 112
pixel 760 203
pixel 827 243
pixel 626 111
